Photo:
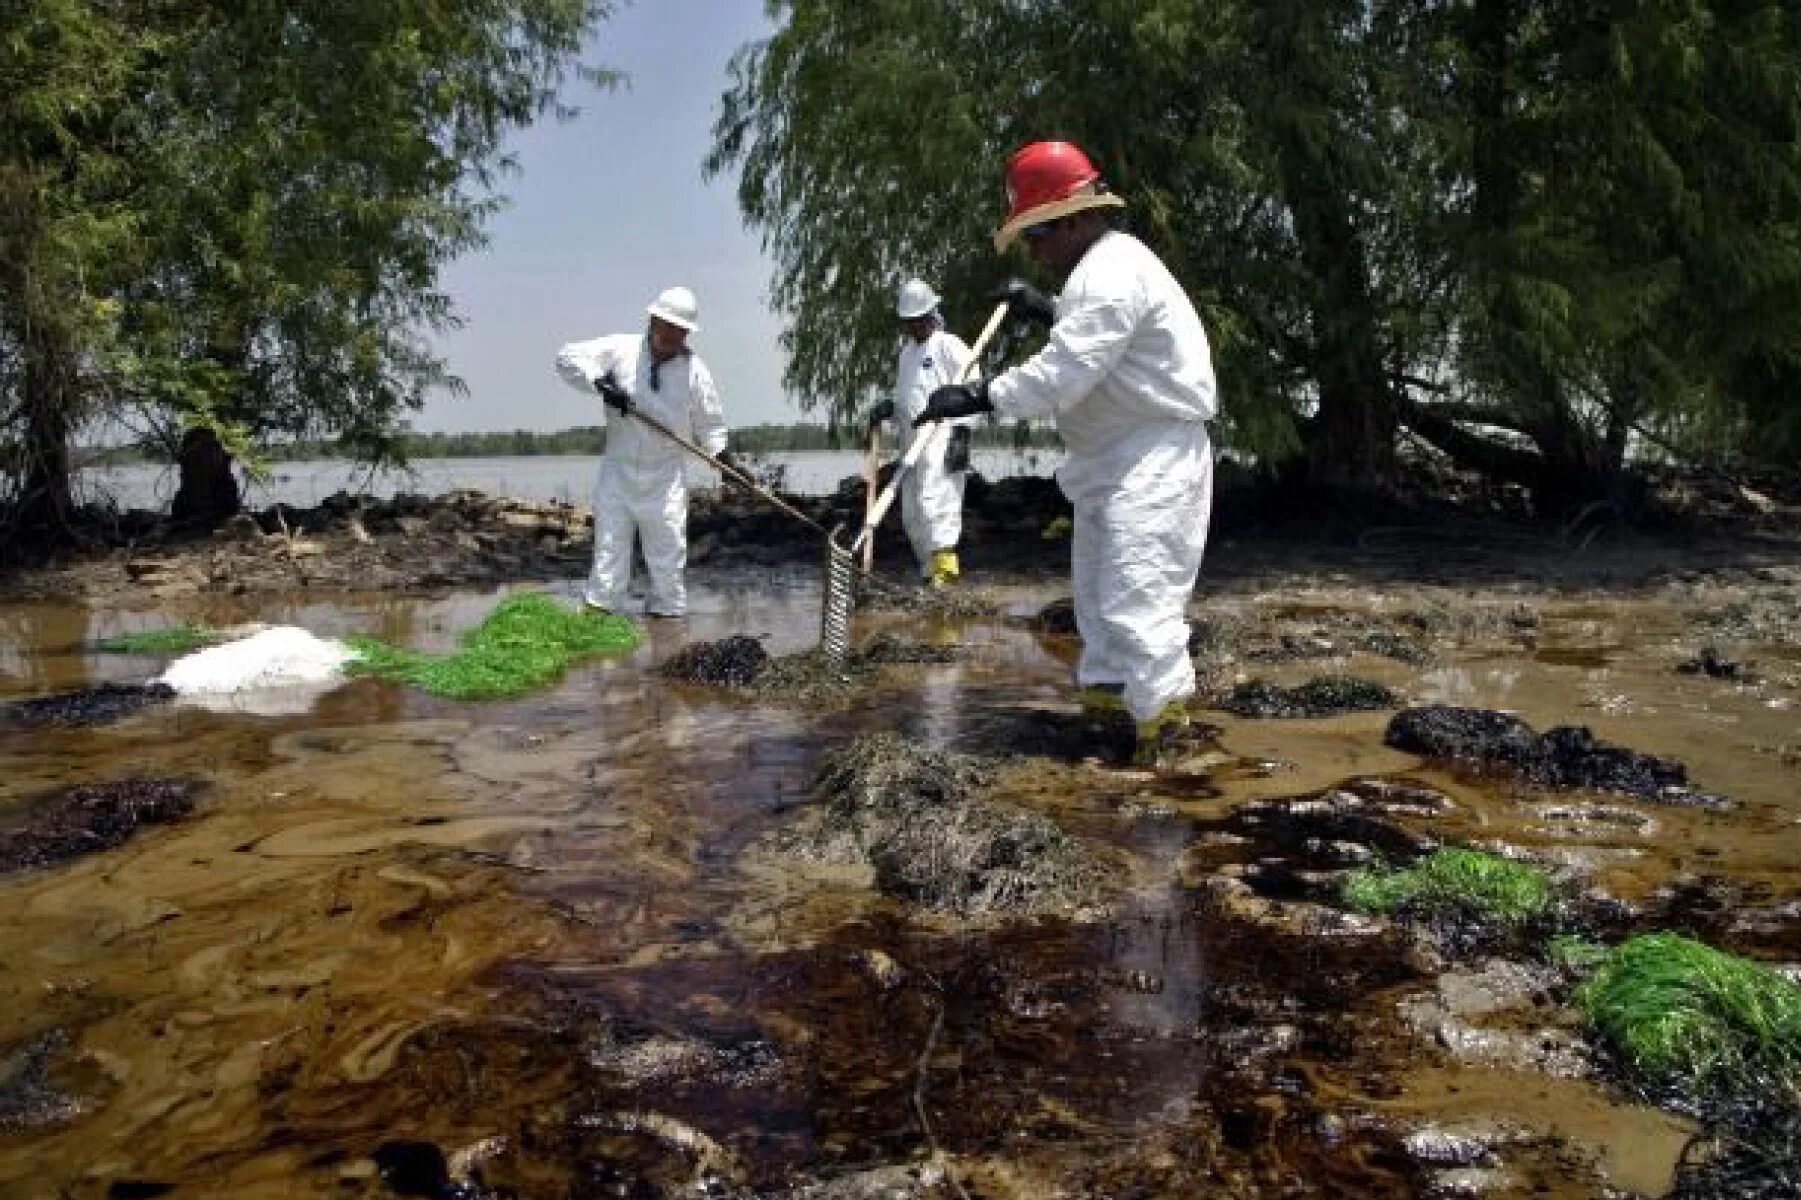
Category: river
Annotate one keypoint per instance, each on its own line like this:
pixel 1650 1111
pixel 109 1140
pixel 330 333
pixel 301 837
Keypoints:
pixel 569 478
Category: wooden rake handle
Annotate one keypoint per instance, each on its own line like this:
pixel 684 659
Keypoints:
pixel 935 435
pixel 732 473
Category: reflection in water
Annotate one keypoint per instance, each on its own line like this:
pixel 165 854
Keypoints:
pixel 34 641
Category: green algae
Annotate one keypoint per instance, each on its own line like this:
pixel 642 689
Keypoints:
pixel 1683 1014
pixel 528 641
pixel 176 639
pixel 1453 883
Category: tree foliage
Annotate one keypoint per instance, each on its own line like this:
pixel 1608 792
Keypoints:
pixel 232 215
pixel 1529 233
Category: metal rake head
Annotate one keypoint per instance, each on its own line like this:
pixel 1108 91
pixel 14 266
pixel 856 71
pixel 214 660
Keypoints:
pixel 839 596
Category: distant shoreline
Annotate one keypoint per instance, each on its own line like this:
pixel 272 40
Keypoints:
pixel 579 441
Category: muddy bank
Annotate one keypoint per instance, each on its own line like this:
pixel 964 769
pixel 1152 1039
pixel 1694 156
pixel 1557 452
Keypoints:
pixel 469 538
pixel 1012 527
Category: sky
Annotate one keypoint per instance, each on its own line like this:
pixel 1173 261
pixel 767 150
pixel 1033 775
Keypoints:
pixel 607 210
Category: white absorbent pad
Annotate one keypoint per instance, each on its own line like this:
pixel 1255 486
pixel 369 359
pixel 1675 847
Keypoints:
pixel 280 659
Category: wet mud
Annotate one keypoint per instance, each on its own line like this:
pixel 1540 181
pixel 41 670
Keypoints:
pixel 88 819
pixel 636 936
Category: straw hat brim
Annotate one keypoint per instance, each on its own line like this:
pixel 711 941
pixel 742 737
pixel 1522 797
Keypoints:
pixel 1039 214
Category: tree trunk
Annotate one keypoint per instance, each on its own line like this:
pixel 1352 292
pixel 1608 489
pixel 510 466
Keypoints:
pixel 47 420
pixel 1351 440
pixel 208 492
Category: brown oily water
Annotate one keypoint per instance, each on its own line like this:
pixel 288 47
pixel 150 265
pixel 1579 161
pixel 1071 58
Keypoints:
pixel 561 946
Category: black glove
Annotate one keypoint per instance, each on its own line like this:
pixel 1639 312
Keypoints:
pixel 615 396
pixel 728 460
pixel 883 411
pixel 955 400
pixel 1024 300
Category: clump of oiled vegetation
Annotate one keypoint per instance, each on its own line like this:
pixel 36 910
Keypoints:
pixel 1325 696
pixel 1453 886
pixel 1767 617
pixel 808 677
pixel 31 1097
pixel 528 641
pixel 729 662
pixel 175 639
pixel 99 705
pixel 917 817
pixel 90 818
pixel 1710 662
pixel 1339 637
pixel 890 649
pixel 1714 1034
pixel 1517 622
pixel 949 603
pixel 1682 1015
pixel 1566 757
pixel 1756 1156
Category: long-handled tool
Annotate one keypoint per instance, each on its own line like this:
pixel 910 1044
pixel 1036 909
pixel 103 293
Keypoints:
pixel 872 475
pixel 838 562
pixel 834 632
pixel 728 471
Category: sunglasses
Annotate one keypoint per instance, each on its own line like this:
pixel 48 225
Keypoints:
pixel 1037 233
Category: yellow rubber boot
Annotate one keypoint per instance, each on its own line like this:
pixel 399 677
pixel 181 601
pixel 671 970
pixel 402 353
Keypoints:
pixel 945 569
pixel 1153 733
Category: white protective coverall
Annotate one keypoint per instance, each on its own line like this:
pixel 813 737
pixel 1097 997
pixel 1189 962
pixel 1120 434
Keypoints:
pixel 640 488
pixel 1128 375
pixel 931 497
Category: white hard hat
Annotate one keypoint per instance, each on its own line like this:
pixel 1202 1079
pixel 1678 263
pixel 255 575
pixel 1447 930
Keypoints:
pixel 678 306
pixel 916 299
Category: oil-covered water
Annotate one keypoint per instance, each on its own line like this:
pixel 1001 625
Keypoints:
pixel 548 936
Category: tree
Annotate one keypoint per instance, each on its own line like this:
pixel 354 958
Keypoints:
pixel 1625 225
pixel 1531 233
pixel 1251 140
pixel 300 172
pixel 65 227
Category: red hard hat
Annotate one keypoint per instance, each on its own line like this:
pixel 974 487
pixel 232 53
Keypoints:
pixel 1047 180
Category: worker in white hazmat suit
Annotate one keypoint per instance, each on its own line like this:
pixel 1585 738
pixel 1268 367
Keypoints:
pixel 641 490
pixel 1128 375
pixel 932 494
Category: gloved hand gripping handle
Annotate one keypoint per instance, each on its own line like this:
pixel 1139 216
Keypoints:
pixel 935 436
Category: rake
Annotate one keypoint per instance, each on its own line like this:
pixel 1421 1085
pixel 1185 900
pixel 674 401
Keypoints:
pixel 743 480
pixel 840 569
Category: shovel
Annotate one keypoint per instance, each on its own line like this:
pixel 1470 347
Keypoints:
pixel 834 631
